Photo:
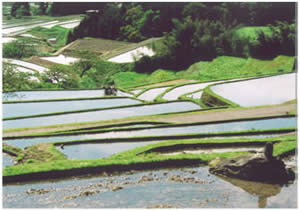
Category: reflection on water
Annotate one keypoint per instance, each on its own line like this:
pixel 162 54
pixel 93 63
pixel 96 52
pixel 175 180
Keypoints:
pixel 178 188
pixel 262 91
pixel 101 115
pixel 262 190
pixel 220 127
pixel 93 151
pixel 27 109
pixel 7 160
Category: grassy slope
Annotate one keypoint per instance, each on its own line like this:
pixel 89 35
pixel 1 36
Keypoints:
pixel 224 67
pixel 58 32
pixel 137 155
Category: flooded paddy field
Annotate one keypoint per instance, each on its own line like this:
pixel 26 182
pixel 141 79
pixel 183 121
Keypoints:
pixel 7 160
pixel 152 93
pixel 263 91
pixel 173 188
pixel 177 92
pixel 135 132
pixel 101 115
pixel 27 109
pixel 55 94
pixel 94 151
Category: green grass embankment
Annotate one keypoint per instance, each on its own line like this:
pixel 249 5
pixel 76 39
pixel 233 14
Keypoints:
pixel 130 160
pixel 223 67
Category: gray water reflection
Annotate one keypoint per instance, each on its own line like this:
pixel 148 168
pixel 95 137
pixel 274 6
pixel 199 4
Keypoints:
pixel 7 160
pixel 101 115
pixel 263 91
pixel 93 151
pixel 202 190
pixel 26 109
pixel 56 94
pixel 221 127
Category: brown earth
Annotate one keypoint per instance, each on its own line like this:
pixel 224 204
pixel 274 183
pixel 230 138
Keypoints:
pixel 191 117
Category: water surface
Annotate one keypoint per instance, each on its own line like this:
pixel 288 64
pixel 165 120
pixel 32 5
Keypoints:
pixel 201 190
pixel 55 94
pixel 27 109
pixel 152 93
pixel 93 151
pixel 220 127
pixel 101 115
pixel 263 91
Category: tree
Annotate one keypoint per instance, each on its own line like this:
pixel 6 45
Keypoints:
pixel 61 75
pixel 20 9
pixel 14 80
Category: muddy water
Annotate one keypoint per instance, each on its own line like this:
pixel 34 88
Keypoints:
pixel 26 109
pixel 264 91
pixel 221 127
pixel 93 151
pixel 101 115
pixel 176 188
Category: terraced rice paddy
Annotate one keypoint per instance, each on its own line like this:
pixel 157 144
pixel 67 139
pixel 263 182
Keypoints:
pixel 163 131
pixel 27 65
pixel 7 160
pixel 177 188
pixel 20 29
pixel 263 91
pixel 26 109
pixel 177 92
pixel 132 55
pixel 61 59
pixel 56 94
pixel 151 94
pixel 101 115
pixel 96 45
pixel 94 151
pixel 8 39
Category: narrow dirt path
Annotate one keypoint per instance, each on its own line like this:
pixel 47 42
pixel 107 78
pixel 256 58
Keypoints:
pixel 202 116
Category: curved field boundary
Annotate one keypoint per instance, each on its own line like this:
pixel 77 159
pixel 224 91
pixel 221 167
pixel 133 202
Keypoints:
pixel 125 161
pixel 148 89
pixel 87 110
pixel 64 90
pixel 159 125
pixel 68 99
pixel 211 99
pixel 180 136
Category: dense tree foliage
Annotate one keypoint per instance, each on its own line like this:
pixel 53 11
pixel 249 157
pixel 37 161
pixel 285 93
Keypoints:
pixel 19 9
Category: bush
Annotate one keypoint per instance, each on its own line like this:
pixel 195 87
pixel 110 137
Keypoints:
pixel 18 49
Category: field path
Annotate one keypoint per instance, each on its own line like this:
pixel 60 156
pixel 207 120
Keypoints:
pixel 203 116
pixel 230 114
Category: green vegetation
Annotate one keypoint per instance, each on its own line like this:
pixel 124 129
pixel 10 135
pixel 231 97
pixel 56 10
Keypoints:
pixel 57 32
pixel 19 49
pixel 221 68
pixel 39 153
pixel 138 155
pixel 211 99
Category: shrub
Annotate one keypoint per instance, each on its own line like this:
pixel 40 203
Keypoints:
pixel 18 49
